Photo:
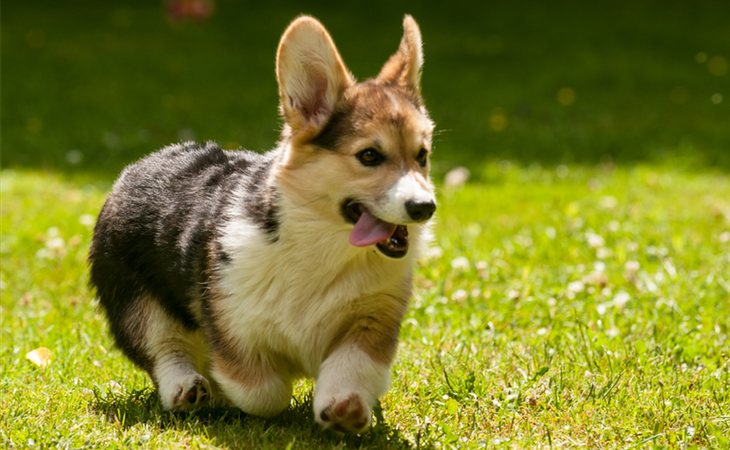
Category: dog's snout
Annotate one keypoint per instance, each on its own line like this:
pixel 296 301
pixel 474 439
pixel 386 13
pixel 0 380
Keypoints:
pixel 420 211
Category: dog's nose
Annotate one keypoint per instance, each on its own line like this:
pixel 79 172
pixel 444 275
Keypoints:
pixel 420 211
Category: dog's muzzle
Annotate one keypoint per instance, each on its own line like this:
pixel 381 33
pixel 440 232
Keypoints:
pixel 390 239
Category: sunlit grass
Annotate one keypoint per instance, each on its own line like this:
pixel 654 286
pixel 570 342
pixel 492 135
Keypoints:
pixel 560 306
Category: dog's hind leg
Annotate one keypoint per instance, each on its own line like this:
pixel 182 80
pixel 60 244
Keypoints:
pixel 174 355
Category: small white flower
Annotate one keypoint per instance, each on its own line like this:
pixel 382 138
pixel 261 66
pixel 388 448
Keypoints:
pixel 456 177
pixel 55 243
pixel 114 387
pixel 595 240
pixel 608 202
pixel 86 220
pixel 474 229
pixel 612 332
pixel 576 287
pixel 596 278
pixel 621 299
pixel 460 263
pixel 459 295
pixel 601 308
pixel 632 266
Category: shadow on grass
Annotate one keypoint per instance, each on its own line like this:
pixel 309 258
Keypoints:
pixel 232 428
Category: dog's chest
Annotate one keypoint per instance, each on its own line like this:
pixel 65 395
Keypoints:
pixel 291 297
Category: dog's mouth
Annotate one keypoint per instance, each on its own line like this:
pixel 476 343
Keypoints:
pixel 390 239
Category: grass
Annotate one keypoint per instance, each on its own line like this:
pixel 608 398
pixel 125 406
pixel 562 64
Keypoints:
pixel 578 289
pixel 584 307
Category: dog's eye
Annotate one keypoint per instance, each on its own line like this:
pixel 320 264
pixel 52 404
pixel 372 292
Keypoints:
pixel 422 157
pixel 370 157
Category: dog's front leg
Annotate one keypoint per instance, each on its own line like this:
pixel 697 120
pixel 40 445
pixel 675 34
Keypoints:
pixel 356 372
pixel 348 386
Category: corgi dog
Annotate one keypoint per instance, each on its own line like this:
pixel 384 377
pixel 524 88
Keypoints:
pixel 227 275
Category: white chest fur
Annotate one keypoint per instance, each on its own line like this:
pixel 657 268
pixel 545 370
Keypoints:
pixel 289 298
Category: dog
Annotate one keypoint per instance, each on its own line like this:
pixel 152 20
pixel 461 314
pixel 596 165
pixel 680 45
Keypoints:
pixel 226 275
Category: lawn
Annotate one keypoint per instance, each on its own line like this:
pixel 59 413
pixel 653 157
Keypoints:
pixel 577 291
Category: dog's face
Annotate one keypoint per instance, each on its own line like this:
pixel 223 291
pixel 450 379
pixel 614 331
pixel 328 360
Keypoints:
pixel 358 152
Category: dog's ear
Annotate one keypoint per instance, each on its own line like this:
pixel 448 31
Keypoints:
pixel 311 75
pixel 403 69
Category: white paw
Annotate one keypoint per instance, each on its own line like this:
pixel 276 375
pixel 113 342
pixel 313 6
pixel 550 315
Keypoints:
pixel 345 413
pixel 185 393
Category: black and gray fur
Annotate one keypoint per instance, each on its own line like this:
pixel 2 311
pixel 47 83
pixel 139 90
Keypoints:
pixel 156 234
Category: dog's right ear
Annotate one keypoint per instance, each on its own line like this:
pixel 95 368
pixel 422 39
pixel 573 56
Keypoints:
pixel 403 69
pixel 311 76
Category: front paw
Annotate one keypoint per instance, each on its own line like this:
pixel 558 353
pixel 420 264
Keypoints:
pixel 185 393
pixel 345 414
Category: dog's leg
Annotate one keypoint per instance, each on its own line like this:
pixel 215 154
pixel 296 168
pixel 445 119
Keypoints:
pixel 251 383
pixel 349 384
pixel 181 387
pixel 173 351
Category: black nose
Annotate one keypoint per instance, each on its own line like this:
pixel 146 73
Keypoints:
pixel 420 211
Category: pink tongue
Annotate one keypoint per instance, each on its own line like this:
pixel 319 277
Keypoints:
pixel 370 230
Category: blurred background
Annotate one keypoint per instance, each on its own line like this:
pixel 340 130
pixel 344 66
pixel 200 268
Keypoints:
pixel 89 86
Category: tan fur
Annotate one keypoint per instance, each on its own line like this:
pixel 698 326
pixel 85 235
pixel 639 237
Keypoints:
pixel 377 336
pixel 372 115
pixel 307 56
pixel 249 371
pixel 404 67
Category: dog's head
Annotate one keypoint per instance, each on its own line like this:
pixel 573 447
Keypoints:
pixel 357 152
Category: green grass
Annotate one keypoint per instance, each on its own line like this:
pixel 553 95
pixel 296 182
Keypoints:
pixel 568 307
pixel 578 289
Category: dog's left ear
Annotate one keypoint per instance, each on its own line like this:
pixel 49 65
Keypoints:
pixel 311 75
pixel 403 69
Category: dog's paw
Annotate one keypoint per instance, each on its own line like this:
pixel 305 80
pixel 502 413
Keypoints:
pixel 347 414
pixel 187 393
